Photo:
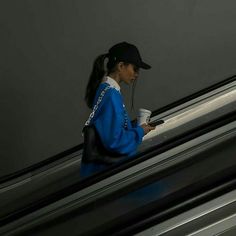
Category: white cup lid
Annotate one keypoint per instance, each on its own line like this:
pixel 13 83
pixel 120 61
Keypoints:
pixel 144 110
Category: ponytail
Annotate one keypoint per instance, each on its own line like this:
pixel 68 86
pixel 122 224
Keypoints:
pixel 95 79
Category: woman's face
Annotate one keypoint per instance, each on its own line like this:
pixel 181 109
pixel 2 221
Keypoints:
pixel 128 73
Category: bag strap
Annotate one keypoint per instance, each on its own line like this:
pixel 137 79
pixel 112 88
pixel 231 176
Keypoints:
pixel 96 106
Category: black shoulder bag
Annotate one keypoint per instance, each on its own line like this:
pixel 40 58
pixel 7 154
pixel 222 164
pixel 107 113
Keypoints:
pixel 94 150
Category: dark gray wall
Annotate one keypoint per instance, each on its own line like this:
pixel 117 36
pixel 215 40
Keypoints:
pixel 48 46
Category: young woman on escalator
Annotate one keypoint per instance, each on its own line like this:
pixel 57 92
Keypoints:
pixel 110 118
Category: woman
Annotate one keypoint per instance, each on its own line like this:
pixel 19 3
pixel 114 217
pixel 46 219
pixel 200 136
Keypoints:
pixel 111 120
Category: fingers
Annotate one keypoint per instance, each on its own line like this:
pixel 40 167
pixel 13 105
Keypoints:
pixel 151 127
pixel 147 128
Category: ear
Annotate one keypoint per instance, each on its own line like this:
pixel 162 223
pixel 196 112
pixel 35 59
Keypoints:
pixel 120 66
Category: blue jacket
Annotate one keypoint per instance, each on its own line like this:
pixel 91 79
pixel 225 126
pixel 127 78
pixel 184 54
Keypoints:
pixel 109 121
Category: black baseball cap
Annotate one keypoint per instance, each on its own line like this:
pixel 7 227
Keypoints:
pixel 127 52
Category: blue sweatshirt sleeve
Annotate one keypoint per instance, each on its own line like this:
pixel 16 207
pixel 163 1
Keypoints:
pixel 109 123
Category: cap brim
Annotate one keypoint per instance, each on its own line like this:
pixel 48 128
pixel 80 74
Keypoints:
pixel 145 66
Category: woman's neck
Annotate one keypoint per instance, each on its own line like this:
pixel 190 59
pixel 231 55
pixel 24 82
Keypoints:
pixel 116 77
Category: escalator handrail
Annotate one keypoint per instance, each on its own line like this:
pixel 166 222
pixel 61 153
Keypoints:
pixel 79 147
pixel 113 170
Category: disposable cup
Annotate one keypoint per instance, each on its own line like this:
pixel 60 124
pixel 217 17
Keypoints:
pixel 143 116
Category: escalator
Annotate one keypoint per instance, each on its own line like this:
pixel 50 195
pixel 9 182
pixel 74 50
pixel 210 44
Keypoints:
pixel 186 162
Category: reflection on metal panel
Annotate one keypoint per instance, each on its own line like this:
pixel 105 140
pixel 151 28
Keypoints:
pixel 212 218
pixel 192 114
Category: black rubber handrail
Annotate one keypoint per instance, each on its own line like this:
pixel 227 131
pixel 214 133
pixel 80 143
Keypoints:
pixel 65 153
pixel 194 95
pixel 115 169
pixel 41 164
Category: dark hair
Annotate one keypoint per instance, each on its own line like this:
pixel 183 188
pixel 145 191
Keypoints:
pixel 96 76
pixel 95 79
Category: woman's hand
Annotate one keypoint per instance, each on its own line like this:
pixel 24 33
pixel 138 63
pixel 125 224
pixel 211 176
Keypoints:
pixel 147 128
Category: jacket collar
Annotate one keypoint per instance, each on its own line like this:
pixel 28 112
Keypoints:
pixel 111 82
